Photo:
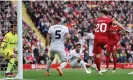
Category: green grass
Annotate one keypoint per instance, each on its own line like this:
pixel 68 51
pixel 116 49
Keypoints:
pixel 78 74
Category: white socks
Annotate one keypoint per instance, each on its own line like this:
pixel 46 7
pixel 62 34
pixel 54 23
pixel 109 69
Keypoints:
pixel 63 65
pixel 49 64
pixel 84 66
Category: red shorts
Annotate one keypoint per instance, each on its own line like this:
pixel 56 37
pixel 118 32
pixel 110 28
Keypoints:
pixel 112 47
pixel 98 45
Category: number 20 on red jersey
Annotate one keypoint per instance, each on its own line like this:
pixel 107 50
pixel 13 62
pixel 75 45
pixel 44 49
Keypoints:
pixel 101 27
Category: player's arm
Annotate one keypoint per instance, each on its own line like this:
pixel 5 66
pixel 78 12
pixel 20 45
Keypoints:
pixel 67 35
pixel 4 42
pixel 79 59
pixel 15 50
pixel 88 39
pixel 47 40
pixel 117 23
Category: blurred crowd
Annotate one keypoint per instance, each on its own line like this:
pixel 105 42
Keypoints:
pixel 79 17
pixel 7 16
pixel 32 47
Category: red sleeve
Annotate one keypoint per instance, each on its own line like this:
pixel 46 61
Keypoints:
pixel 111 21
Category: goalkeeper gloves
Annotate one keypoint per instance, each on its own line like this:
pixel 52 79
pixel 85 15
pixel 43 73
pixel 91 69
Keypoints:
pixel 3 45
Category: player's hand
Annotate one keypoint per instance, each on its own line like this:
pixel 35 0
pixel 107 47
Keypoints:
pixel 13 55
pixel 3 46
pixel 15 50
pixel 79 59
pixel 118 43
pixel 105 47
pixel 128 30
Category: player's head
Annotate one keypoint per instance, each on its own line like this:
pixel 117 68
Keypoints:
pixel 78 46
pixel 57 19
pixel 14 28
pixel 104 13
pixel 115 19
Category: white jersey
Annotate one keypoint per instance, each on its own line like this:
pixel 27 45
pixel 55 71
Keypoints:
pixel 91 39
pixel 74 55
pixel 57 33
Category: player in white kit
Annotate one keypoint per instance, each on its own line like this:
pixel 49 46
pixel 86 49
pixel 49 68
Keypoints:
pixel 90 36
pixel 57 34
pixel 76 59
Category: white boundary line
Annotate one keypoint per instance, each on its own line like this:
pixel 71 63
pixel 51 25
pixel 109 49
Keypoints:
pixel 15 79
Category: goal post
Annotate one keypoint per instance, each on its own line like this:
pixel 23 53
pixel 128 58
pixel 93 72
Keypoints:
pixel 20 42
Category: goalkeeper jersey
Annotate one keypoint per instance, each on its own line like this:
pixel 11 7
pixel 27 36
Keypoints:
pixel 10 41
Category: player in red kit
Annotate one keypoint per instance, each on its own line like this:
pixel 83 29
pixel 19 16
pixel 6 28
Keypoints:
pixel 103 24
pixel 112 46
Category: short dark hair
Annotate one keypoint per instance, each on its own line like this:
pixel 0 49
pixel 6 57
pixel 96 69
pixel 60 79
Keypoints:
pixel 78 44
pixel 57 18
pixel 13 25
pixel 104 12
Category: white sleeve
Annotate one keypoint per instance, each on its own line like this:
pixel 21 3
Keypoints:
pixel 88 36
pixel 50 30
pixel 71 54
pixel 67 31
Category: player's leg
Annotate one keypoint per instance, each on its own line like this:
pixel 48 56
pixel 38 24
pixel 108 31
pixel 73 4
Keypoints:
pixel 74 63
pixel 12 63
pixel 84 66
pixel 108 47
pixel 90 55
pixel 80 63
pixel 114 61
pixel 114 57
pixel 97 50
pixel 107 62
pixel 108 50
pixel 52 56
pixel 62 56
pixel 91 58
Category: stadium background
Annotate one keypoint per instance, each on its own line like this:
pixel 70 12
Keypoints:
pixel 78 16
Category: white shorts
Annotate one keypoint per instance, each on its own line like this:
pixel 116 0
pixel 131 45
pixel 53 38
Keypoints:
pixel 61 53
pixel 90 50
pixel 75 64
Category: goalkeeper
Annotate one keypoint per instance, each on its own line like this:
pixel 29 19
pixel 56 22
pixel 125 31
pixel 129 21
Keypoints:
pixel 8 49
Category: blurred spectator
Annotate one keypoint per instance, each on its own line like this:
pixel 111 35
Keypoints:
pixel 30 59
pixel 32 47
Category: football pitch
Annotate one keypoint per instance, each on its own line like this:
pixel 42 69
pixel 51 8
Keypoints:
pixel 78 74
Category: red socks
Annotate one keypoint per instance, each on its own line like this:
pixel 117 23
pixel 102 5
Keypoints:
pixel 114 60
pixel 98 62
pixel 107 61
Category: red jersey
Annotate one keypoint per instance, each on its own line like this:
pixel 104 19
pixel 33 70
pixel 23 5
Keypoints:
pixel 114 34
pixel 102 27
